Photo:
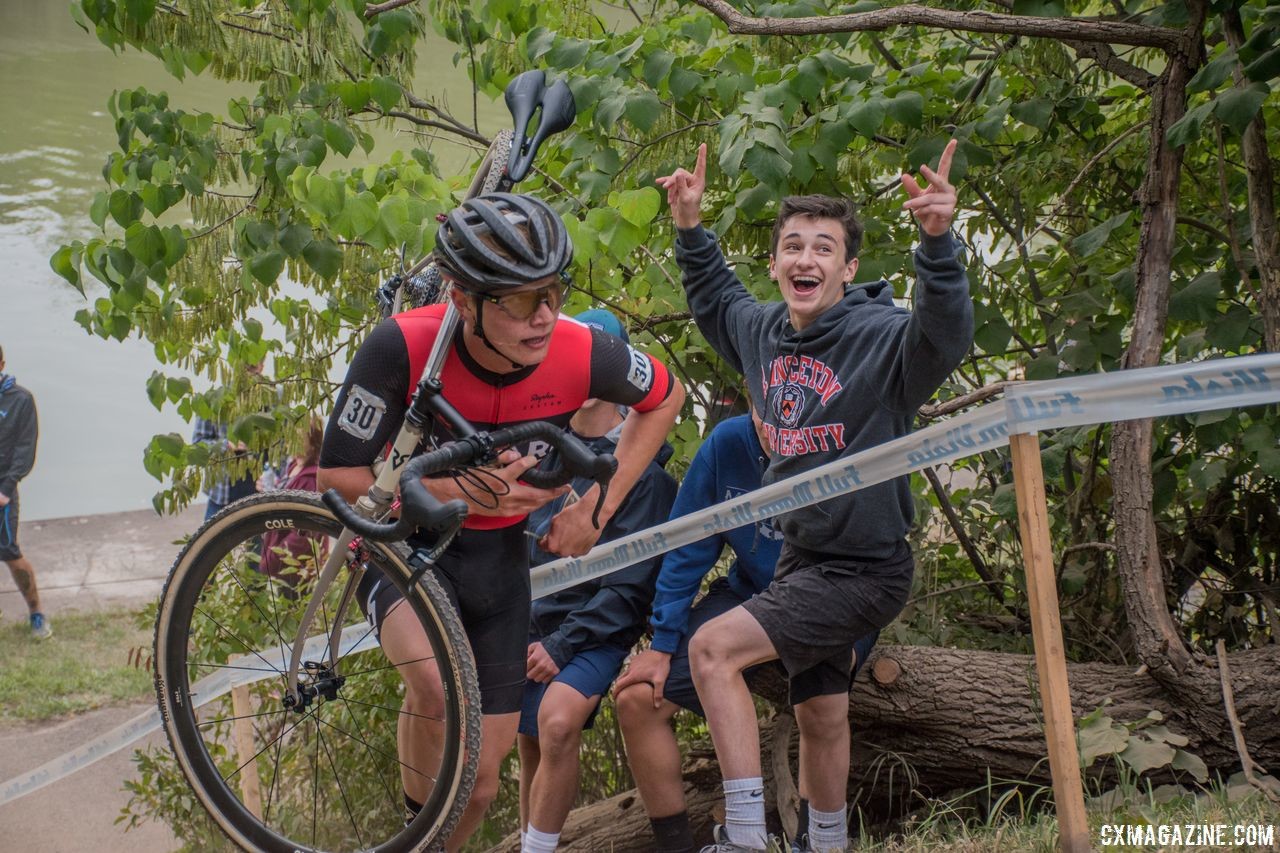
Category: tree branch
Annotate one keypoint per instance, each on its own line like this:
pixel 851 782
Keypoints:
pixel 1076 29
pixel 372 9
pixel 955 404
pixel 957 527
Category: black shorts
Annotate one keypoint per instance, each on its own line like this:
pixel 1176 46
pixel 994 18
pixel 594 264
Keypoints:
pixel 818 604
pixel 485 573
pixel 827 677
pixel 9 549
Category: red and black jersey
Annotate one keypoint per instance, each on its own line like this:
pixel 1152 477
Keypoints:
pixel 582 363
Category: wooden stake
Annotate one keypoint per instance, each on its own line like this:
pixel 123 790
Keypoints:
pixel 1046 633
pixel 250 786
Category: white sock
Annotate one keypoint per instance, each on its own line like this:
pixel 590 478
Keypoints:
pixel 828 830
pixel 744 811
pixel 539 842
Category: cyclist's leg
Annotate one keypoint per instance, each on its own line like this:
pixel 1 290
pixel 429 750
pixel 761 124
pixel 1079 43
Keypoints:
pixel 487 572
pixel 418 730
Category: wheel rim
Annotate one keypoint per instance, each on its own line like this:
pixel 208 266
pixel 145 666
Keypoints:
pixel 327 775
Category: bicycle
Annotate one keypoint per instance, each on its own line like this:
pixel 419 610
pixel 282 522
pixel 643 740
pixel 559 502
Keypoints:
pixel 266 761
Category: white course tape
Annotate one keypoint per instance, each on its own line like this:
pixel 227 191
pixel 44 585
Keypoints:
pixel 1026 408
pixel 249 668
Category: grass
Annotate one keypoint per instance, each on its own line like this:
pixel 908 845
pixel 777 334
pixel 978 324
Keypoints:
pixel 84 665
pixel 1231 806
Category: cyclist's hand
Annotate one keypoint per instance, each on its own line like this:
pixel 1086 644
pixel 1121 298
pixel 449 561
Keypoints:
pixel 571 533
pixel 519 498
pixel 684 191
pixel 648 667
pixel 539 666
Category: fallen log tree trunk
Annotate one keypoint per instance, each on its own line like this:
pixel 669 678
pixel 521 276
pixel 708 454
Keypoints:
pixel 930 721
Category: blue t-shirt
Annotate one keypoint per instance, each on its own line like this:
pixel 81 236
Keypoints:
pixel 729 463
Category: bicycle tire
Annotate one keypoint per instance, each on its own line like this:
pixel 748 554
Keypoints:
pixel 219 615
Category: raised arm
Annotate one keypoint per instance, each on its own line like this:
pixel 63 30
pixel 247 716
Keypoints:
pixel 939 331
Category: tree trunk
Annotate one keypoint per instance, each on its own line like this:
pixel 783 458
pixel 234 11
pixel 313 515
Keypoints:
pixel 1262 208
pixel 1156 638
pixel 933 721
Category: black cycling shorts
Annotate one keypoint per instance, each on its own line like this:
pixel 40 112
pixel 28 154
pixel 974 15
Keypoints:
pixel 485 573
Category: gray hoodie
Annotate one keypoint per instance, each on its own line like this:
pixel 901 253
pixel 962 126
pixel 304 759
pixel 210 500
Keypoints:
pixel 849 381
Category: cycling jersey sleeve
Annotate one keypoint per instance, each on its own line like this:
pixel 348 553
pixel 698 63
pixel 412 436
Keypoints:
pixel 371 403
pixel 621 374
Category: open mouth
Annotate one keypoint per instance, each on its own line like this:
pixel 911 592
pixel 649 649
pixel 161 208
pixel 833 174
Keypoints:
pixel 536 343
pixel 805 284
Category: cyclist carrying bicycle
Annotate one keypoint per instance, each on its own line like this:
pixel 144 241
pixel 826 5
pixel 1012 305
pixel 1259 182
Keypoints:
pixel 513 360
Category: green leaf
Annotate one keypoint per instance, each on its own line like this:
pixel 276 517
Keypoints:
pixel 1197 301
pixel 991 331
pixel 1258 437
pixel 140 11
pixel 170 444
pixel 1092 240
pixel 324 256
pixel 293 238
pixel 657 66
pixel 66 263
pixel 1265 67
pixel 144 242
pixel 385 92
pixel 125 207
pixel 907 108
pixel 1212 74
pixel 1190 763
pixel 354 95
pixel 1236 107
pixel 1269 462
pixel 568 52
pixel 1005 501
pixel 639 207
pixel 682 81
pixel 325 195
pixel 1099 738
pixel 98 210
pixel 1143 755
pixel 339 138
pixel 359 214
pixel 1187 128
pixel 867 116
pixel 643 110
pixel 1035 112
pixel 752 202
pixel 267 266
pixel 155 389
pixel 767 165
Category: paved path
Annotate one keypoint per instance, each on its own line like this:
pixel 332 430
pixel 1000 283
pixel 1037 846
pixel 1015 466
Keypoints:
pixel 85 563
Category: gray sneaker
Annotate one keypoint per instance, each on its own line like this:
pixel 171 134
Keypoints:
pixel 40 627
pixel 724 845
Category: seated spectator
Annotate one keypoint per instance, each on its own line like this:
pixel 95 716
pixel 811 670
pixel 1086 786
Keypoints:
pixel 579 637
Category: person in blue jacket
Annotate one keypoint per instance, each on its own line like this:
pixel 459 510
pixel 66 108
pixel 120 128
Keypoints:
pixel 579 637
pixel 658 682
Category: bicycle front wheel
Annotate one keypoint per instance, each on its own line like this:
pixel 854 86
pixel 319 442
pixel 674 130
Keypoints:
pixel 327 775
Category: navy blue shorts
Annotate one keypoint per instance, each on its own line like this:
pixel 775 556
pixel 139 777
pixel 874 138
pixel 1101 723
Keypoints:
pixel 826 677
pixel 590 672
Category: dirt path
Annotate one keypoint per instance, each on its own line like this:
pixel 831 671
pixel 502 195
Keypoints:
pixel 76 814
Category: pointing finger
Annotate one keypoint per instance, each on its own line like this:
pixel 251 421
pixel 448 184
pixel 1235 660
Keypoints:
pixel 944 162
pixel 700 170
pixel 912 187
